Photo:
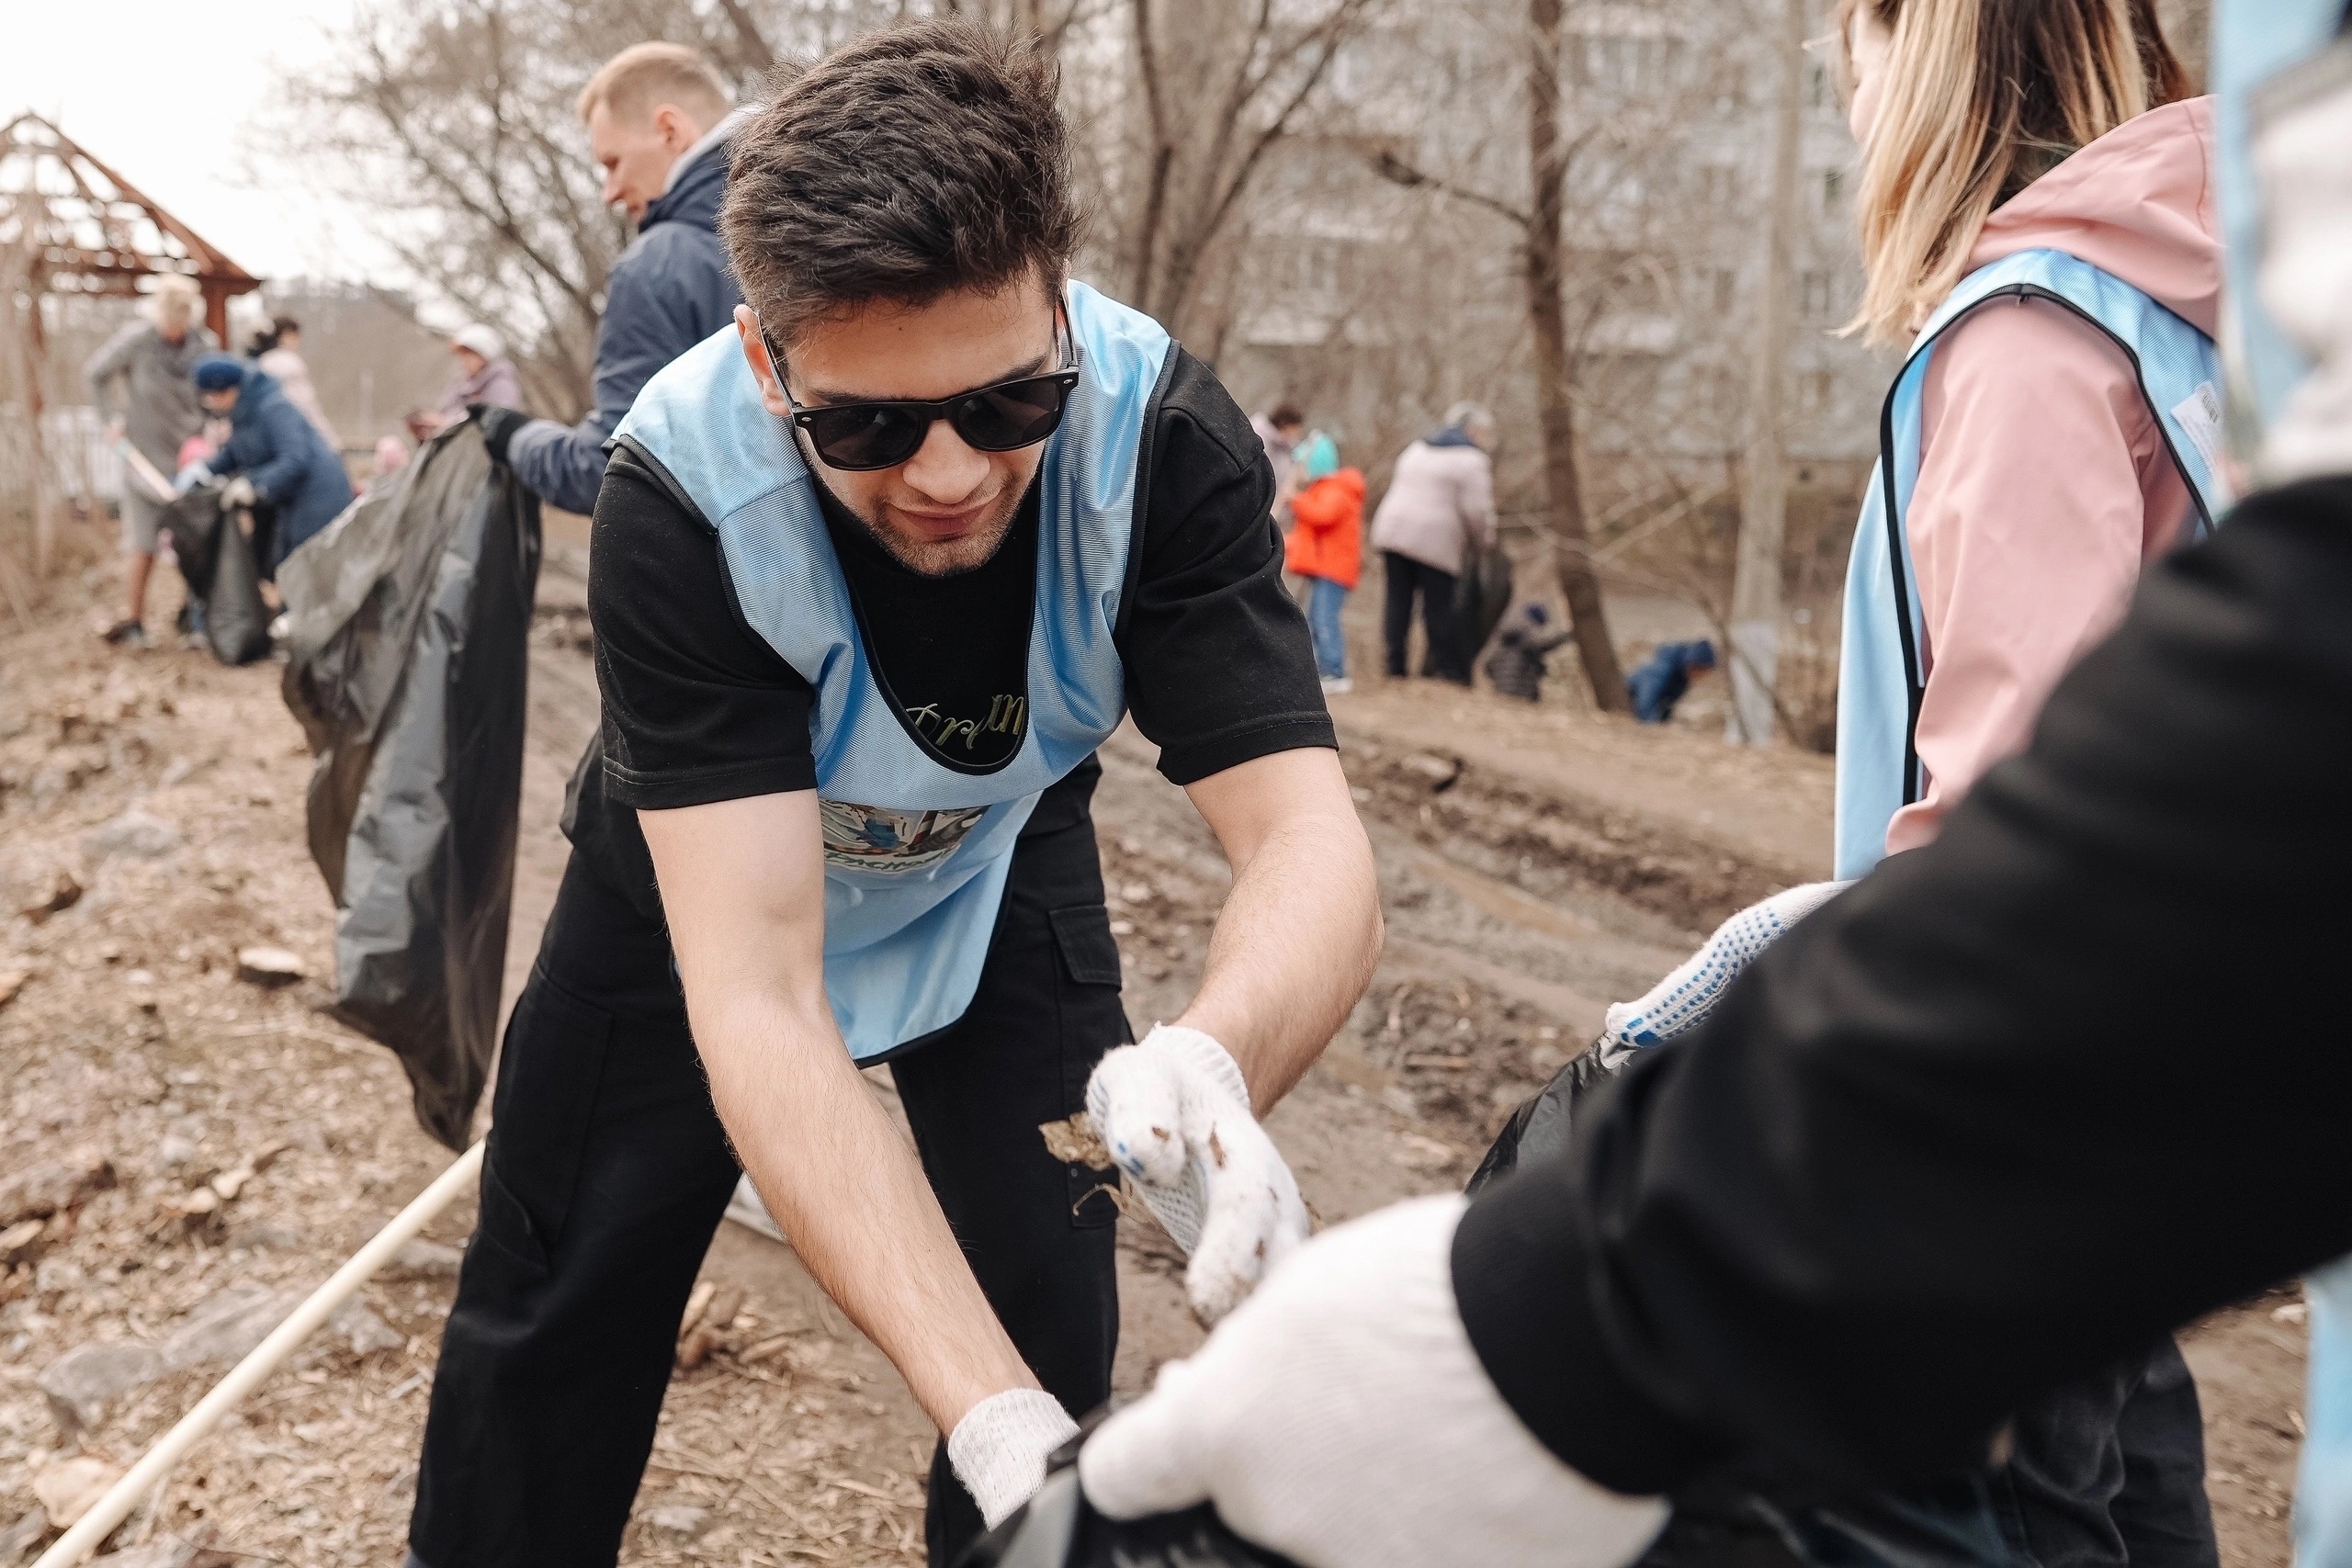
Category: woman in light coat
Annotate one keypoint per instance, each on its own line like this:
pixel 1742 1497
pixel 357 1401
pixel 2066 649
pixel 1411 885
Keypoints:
pixel 1440 506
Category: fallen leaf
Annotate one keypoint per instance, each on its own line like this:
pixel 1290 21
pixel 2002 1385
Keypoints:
pixel 1074 1141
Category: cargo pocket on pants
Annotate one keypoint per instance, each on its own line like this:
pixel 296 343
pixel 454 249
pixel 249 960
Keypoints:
pixel 549 1073
pixel 1092 1021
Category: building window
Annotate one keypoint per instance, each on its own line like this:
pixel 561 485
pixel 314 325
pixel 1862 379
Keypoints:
pixel 1833 189
pixel 1814 388
pixel 1820 295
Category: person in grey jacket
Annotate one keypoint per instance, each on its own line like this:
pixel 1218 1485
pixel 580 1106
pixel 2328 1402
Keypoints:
pixel 659 121
pixel 138 380
pixel 1441 505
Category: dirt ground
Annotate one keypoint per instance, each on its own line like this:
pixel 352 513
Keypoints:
pixel 199 1147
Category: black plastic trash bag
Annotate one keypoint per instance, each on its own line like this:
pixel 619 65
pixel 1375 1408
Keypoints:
pixel 410 663
pixel 192 522
pixel 1058 1529
pixel 236 618
pixel 1542 1127
pixel 1481 596
pixel 216 556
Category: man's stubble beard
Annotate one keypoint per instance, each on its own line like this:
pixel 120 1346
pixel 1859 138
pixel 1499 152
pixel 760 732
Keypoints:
pixel 952 558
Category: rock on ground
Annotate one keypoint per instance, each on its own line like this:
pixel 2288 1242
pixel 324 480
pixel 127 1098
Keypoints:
pixel 68 1487
pixel 84 1381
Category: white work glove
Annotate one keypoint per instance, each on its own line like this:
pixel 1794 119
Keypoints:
pixel 1342 1419
pixel 237 492
pixel 1681 1001
pixel 1000 1449
pixel 1174 1113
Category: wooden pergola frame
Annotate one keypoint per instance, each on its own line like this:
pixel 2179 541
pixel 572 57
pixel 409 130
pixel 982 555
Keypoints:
pixel 70 224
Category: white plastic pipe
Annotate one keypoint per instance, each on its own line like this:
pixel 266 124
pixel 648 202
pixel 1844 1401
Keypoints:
pixel 76 1544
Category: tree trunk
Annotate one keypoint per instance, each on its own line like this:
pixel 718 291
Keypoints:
pixel 1547 324
pixel 1755 654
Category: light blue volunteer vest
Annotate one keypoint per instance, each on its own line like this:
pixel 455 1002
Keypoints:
pixel 2257 42
pixel 917 853
pixel 1882 672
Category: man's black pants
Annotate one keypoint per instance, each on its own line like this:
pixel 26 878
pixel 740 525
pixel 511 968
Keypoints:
pixel 1406 577
pixel 608 1171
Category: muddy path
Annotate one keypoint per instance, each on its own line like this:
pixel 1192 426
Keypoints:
pixel 1524 884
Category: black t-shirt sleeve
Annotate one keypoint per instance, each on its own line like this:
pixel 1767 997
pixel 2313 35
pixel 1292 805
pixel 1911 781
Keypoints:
pixel 1220 669
pixel 698 708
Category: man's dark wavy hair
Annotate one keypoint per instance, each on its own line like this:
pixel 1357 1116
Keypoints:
pixel 909 163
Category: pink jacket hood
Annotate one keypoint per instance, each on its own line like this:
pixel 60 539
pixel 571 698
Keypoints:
pixel 2138 203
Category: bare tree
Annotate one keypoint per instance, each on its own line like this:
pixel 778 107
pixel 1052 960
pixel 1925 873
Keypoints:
pixel 1754 640
pixel 1553 150
pixel 1218 89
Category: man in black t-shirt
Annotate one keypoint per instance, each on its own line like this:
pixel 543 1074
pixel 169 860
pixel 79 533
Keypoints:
pixel 871 579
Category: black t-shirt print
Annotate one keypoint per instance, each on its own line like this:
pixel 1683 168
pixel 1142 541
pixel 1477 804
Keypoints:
pixel 951 654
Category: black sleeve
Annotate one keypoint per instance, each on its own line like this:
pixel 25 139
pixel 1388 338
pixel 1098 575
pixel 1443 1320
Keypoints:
pixel 2024 1098
pixel 1221 668
pixel 697 708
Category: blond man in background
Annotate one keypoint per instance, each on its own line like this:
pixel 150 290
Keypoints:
pixel 659 118
pixel 139 380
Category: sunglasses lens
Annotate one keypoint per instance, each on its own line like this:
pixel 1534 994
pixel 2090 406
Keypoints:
pixel 1021 414
pixel 864 435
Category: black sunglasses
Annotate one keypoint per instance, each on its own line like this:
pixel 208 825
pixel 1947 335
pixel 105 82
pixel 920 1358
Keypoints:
pixel 1005 417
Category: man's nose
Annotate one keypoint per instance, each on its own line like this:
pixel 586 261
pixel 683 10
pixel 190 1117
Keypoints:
pixel 944 468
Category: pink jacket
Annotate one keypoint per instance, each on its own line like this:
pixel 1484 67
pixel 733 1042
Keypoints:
pixel 2044 480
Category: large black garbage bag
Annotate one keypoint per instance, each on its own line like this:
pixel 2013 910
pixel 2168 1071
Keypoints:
pixel 410 663
pixel 192 522
pixel 1540 1129
pixel 1481 595
pixel 1058 1529
pixel 236 618
pixel 218 558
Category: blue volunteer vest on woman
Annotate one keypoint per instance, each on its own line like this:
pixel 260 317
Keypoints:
pixel 1883 669
pixel 917 853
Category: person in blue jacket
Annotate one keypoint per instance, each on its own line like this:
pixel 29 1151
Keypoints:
pixel 274 454
pixel 1657 685
pixel 659 122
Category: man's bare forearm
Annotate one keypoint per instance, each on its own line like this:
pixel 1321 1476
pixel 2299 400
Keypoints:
pixel 1300 933
pixel 742 886
pixel 846 1185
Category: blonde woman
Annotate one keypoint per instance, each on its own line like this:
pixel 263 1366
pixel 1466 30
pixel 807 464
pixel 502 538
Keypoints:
pixel 2038 224
pixel 2037 214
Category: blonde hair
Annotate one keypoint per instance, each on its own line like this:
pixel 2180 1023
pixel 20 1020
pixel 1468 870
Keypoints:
pixel 1982 98
pixel 644 76
pixel 175 300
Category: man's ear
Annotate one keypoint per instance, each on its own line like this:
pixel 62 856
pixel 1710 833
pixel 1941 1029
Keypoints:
pixel 678 130
pixel 766 375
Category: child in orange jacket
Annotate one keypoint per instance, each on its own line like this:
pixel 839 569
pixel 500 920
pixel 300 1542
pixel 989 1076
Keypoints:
pixel 1326 547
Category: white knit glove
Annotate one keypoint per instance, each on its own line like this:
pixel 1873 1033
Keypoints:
pixel 237 492
pixel 1000 1449
pixel 1174 1113
pixel 1681 1001
pixel 1342 1418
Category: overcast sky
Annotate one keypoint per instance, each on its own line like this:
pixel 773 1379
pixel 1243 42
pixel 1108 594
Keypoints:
pixel 167 93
